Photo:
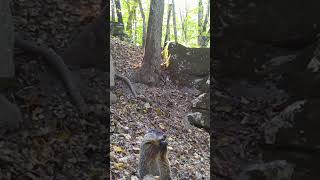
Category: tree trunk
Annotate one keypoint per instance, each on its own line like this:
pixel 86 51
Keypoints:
pixel 167 37
pixel 184 31
pixel 143 24
pixel 132 11
pixel 204 26
pixel 174 22
pixel 204 39
pixel 113 18
pixel 150 70
pixel 200 17
pixel 184 22
pixel 129 22
pixel 118 10
pixel 135 25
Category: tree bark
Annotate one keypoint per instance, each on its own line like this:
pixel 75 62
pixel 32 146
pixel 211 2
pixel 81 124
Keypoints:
pixel 174 22
pixel 143 24
pixel 132 10
pixel 167 37
pixel 183 26
pixel 113 18
pixel 118 10
pixel 150 71
pixel 200 17
pixel 129 22
pixel 135 25
pixel 205 38
pixel 204 26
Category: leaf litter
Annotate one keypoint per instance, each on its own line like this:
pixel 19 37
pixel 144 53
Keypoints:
pixel 165 109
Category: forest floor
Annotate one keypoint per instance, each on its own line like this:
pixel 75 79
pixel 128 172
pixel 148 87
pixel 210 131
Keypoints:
pixel 165 109
pixel 54 141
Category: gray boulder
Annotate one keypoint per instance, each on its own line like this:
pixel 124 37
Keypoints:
pixel 275 170
pixel 187 66
pixel 200 116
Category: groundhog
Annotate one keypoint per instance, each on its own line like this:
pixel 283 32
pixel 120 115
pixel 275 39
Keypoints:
pixel 153 162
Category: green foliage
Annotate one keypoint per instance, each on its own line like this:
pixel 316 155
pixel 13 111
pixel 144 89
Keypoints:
pixel 191 21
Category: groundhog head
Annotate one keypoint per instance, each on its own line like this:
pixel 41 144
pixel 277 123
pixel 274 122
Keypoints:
pixel 154 142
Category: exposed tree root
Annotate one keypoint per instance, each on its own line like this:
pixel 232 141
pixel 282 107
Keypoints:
pixel 57 63
pixel 126 80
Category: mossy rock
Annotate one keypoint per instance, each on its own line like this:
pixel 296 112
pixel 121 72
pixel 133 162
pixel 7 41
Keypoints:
pixel 186 65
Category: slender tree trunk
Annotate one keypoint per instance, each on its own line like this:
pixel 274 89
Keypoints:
pixel 135 25
pixel 183 26
pixel 132 10
pixel 118 10
pixel 113 18
pixel 167 37
pixel 143 24
pixel 200 17
pixel 150 71
pixel 174 22
pixel 185 20
pixel 129 22
pixel 205 38
pixel 204 26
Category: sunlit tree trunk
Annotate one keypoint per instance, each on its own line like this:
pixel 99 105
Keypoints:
pixel 167 37
pixel 132 11
pixel 205 38
pixel 184 28
pixel 150 71
pixel 143 24
pixel 113 18
pixel 174 22
pixel 200 17
pixel 135 25
pixel 118 10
